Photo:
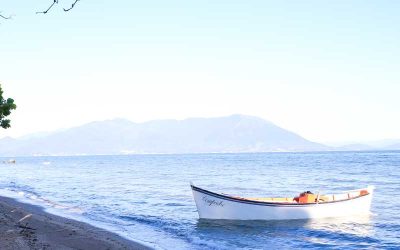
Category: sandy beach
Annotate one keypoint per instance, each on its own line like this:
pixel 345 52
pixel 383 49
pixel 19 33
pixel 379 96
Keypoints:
pixel 24 226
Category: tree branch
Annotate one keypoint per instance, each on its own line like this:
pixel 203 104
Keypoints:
pixel 51 6
pixel 72 6
pixel 5 17
pixel 45 11
pixel 56 2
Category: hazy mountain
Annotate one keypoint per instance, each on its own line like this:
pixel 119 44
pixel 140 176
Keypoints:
pixel 356 147
pixel 236 133
pixel 384 143
pixel 395 146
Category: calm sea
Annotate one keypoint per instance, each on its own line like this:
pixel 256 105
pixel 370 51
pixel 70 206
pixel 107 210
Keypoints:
pixel 148 198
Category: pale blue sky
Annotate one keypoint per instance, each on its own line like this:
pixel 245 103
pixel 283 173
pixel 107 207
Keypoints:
pixel 328 70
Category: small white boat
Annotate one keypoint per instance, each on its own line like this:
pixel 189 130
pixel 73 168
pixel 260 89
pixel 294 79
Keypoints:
pixel 307 205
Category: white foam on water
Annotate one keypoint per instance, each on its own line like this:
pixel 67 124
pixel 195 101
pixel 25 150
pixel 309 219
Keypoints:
pixel 69 212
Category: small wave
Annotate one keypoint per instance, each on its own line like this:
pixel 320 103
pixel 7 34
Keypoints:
pixel 170 226
pixel 180 229
pixel 35 199
pixel 174 205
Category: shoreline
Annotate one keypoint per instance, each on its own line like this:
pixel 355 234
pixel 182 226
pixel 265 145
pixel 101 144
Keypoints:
pixel 26 227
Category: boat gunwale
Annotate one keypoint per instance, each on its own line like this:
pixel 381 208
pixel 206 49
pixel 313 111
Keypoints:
pixel 266 203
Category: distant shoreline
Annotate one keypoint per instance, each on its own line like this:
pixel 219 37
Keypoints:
pixel 26 227
pixel 8 157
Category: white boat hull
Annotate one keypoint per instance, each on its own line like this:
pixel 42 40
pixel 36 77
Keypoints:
pixel 217 206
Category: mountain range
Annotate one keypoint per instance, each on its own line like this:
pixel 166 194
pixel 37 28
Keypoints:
pixel 231 134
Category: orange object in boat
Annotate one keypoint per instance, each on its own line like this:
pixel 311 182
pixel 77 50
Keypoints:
pixel 363 192
pixel 307 197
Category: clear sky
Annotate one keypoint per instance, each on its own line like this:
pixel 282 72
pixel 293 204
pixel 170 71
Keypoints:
pixel 328 70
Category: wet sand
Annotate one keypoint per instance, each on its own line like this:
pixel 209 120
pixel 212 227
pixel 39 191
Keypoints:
pixel 24 226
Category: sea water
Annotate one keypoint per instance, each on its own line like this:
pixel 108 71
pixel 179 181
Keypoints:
pixel 148 197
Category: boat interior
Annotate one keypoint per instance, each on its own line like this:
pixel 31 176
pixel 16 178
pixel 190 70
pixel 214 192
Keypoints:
pixel 309 197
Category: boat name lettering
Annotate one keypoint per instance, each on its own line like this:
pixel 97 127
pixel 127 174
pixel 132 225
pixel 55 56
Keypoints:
pixel 212 202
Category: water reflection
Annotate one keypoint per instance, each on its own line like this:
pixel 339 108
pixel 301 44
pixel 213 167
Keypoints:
pixel 356 225
pixel 248 224
pixel 317 233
